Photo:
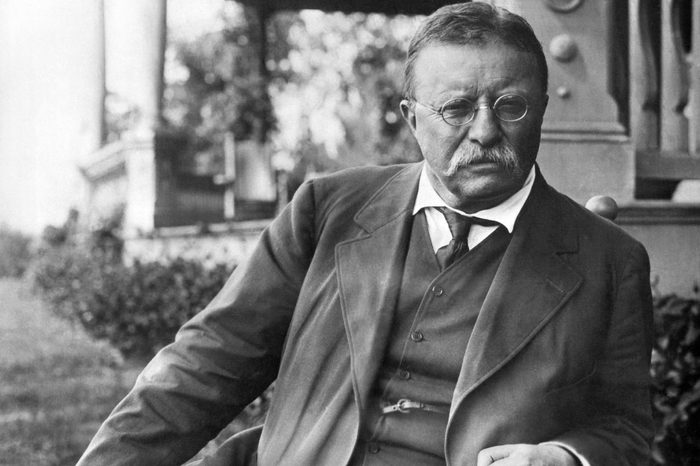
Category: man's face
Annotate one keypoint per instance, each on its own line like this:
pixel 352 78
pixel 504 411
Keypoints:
pixel 482 163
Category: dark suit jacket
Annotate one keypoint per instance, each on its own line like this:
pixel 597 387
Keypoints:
pixel 560 350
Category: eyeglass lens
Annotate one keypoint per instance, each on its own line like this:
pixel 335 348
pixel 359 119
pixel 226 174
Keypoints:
pixel 506 108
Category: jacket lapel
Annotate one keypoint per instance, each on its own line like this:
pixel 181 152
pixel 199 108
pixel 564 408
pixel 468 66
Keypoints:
pixel 369 275
pixel 532 283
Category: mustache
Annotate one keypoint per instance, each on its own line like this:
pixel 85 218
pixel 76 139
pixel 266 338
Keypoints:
pixel 503 154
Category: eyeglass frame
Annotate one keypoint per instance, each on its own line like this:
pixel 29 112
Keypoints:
pixel 475 108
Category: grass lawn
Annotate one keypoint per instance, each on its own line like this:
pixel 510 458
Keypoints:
pixel 57 384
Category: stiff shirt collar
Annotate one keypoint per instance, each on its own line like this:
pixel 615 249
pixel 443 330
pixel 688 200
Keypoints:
pixel 504 213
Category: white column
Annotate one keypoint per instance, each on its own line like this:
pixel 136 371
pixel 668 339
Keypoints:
pixel 136 34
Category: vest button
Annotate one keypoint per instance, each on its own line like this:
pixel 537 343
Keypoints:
pixel 373 448
pixel 417 335
pixel 437 290
pixel 404 374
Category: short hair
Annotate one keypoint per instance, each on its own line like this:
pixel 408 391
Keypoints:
pixel 473 23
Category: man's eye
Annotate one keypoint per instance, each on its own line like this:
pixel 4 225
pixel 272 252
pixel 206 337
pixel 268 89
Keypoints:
pixel 510 107
pixel 457 108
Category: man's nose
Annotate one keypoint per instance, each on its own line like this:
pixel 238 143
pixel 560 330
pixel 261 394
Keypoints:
pixel 484 128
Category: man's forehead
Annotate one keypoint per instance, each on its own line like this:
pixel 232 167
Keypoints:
pixel 500 61
pixel 487 45
pixel 445 71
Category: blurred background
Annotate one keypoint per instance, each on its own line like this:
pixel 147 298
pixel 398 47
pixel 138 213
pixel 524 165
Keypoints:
pixel 88 83
pixel 144 145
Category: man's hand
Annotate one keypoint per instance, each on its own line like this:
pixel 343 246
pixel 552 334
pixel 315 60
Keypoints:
pixel 525 455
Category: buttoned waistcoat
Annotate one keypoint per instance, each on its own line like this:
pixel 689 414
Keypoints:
pixel 559 352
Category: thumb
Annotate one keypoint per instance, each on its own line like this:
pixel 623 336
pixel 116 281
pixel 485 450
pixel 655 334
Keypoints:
pixel 490 455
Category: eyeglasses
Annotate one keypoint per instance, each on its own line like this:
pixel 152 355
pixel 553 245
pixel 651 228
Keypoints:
pixel 459 112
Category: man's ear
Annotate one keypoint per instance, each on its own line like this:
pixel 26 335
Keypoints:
pixel 409 114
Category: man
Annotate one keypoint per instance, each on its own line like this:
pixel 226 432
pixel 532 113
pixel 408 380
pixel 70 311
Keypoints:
pixel 399 335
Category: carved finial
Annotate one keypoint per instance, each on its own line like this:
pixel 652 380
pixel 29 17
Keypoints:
pixel 563 6
pixel 605 206
pixel 563 48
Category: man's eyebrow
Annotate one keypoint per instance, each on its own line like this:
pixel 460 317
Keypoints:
pixel 465 92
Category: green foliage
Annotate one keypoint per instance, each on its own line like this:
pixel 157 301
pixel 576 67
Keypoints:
pixel 327 98
pixel 218 83
pixel 137 308
pixel 676 378
pixel 15 252
pixel 345 81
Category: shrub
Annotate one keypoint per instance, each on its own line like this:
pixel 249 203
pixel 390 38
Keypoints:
pixel 137 308
pixel 15 252
pixel 676 377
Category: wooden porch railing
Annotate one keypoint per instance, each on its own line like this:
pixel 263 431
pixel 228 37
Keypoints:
pixel 664 89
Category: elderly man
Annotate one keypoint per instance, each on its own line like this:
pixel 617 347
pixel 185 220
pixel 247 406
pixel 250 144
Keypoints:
pixel 456 311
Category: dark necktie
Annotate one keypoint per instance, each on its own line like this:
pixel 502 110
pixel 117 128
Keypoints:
pixel 459 227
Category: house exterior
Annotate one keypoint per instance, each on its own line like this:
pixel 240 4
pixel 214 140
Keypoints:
pixel 623 121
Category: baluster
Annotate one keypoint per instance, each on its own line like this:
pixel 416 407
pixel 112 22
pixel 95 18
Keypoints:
pixel 694 68
pixel 644 79
pixel 674 76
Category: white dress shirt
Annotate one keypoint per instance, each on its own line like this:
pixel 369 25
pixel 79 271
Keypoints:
pixel 504 213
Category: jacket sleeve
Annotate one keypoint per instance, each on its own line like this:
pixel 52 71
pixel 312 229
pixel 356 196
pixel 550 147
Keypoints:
pixel 618 427
pixel 220 360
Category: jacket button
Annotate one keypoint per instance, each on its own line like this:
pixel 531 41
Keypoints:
pixel 417 335
pixel 373 448
pixel 437 290
pixel 404 374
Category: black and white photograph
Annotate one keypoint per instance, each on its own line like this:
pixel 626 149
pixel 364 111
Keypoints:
pixel 349 233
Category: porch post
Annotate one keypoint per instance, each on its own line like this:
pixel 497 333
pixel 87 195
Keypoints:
pixel 585 150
